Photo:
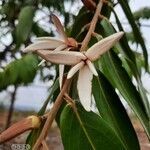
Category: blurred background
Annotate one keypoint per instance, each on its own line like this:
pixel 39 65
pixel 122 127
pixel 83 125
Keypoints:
pixel 22 21
pixel 23 85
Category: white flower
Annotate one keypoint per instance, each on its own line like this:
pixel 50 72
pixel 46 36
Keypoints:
pixel 53 44
pixel 82 61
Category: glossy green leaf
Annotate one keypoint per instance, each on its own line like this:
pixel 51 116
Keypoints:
pixel 124 47
pixel 25 24
pixel 123 41
pixel 112 110
pixel 125 6
pixel 130 58
pixel 86 130
pixel 116 74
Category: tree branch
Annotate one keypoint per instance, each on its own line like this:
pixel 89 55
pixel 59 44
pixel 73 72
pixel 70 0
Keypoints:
pixel 92 26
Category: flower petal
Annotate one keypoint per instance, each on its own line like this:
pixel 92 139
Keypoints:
pixel 74 69
pixel 102 46
pixel 84 86
pixel 47 44
pixel 59 27
pixel 46 38
pixel 61 73
pixel 61 47
pixel 62 57
pixel 92 67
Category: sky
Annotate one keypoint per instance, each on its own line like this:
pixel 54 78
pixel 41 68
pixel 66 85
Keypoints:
pixel 33 96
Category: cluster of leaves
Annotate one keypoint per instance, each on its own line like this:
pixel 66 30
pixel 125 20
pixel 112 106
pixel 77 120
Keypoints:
pixel 21 71
pixel 143 13
pixel 17 21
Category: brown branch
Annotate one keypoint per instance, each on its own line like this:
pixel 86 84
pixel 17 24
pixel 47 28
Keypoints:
pixel 29 123
pixel 51 115
pixel 11 108
pixel 45 146
pixel 92 26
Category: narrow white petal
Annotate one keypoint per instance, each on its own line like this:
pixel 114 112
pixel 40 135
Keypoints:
pixel 61 47
pixel 74 69
pixel 59 27
pixel 43 61
pixel 102 46
pixel 61 73
pixel 67 49
pixel 84 86
pixel 46 38
pixel 62 57
pixel 47 44
pixel 92 67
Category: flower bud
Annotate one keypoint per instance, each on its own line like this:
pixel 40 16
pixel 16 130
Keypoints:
pixel 72 42
pixel 89 4
pixel 20 127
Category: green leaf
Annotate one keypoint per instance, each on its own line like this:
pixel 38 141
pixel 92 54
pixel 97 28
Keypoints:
pixel 28 68
pixel 25 24
pixel 116 74
pixel 142 13
pixel 124 47
pixel 112 110
pixel 130 37
pixel 124 41
pixel 21 71
pixel 83 20
pixel 130 58
pixel 123 44
pixel 125 6
pixel 86 130
pixel 140 61
pixel 8 9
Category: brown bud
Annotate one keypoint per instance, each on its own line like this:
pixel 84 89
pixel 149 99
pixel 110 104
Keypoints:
pixel 89 4
pixel 72 42
pixel 20 127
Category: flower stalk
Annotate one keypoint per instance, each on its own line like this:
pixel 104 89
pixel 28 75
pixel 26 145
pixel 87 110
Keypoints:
pixel 92 26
